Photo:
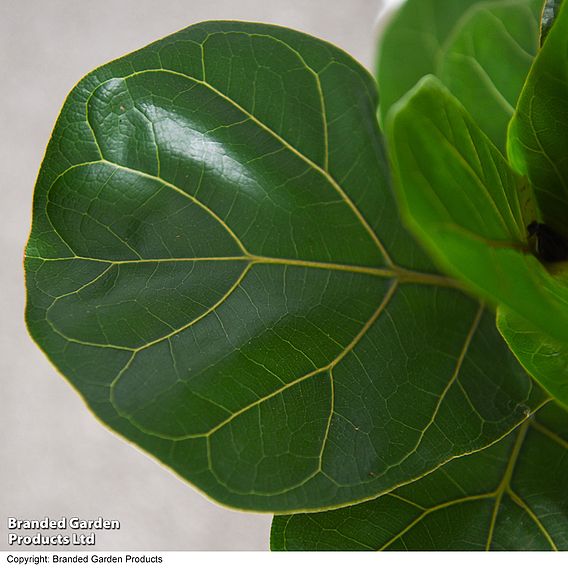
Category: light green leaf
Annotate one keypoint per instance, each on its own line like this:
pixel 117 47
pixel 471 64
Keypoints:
pixel 217 265
pixel 412 44
pixel 544 358
pixel 511 496
pixel 486 63
pixel 538 136
pixel 461 198
pixel 483 57
pixel 481 50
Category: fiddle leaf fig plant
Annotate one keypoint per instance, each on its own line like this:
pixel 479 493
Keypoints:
pixel 218 265
pixel 486 224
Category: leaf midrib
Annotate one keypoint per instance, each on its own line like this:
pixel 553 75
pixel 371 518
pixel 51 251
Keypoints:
pixel 404 275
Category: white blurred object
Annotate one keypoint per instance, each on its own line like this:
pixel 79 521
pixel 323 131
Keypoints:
pixel 389 6
pixel 387 9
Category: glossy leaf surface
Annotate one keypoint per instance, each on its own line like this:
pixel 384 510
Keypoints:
pixel 511 496
pixel 458 41
pixel 538 137
pixel 463 201
pixel 217 265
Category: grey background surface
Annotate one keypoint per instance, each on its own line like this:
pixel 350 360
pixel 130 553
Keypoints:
pixel 56 458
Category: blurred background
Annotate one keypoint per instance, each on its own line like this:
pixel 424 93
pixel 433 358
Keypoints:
pixel 56 458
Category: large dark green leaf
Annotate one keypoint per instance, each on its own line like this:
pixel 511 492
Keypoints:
pixel 511 496
pixel 464 202
pixel 205 268
pixel 538 136
pixel 480 50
